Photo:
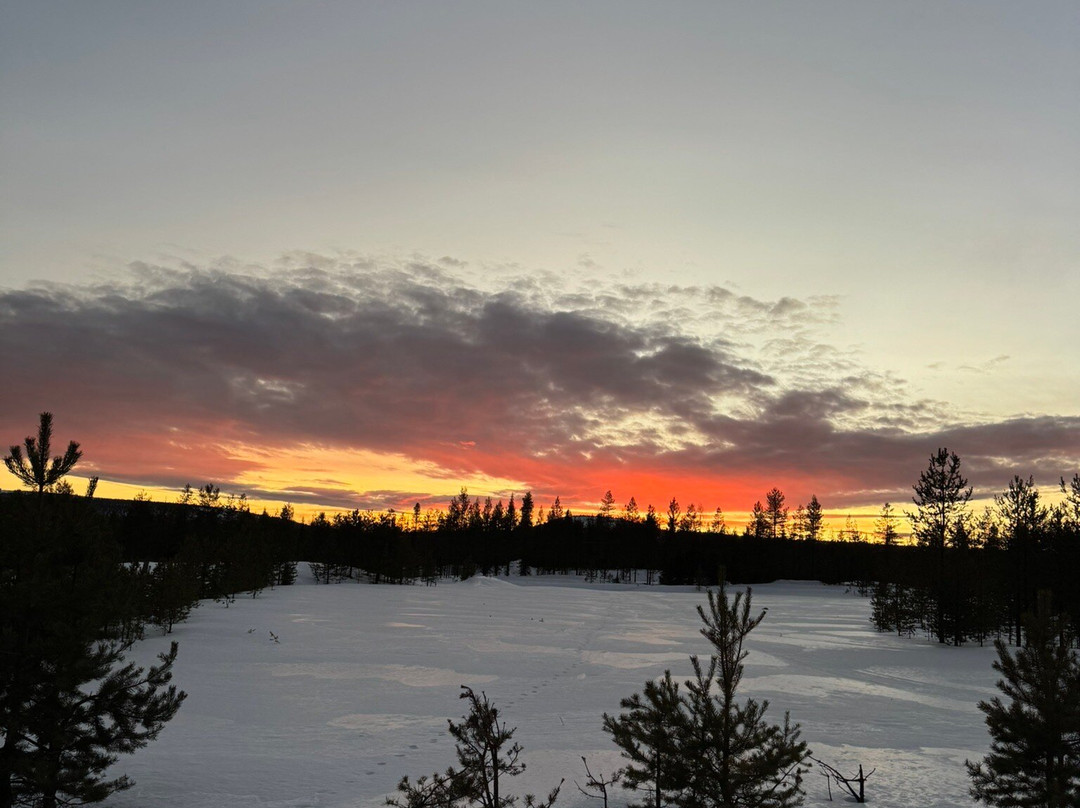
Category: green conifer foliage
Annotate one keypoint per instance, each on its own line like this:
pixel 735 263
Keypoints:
pixel 1034 757
pixel 69 610
pixel 37 469
pixel 649 732
pixel 487 756
pixel 702 749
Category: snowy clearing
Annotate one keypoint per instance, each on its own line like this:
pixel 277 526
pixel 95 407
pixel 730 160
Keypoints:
pixel 356 690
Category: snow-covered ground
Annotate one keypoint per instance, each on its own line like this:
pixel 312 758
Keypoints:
pixel 356 690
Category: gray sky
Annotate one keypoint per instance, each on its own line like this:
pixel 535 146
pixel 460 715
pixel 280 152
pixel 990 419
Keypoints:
pixel 913 167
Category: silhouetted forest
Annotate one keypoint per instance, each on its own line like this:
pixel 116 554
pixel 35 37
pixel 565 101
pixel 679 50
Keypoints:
pixel 961 576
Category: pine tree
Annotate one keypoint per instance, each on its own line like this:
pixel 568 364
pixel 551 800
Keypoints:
pixel 759 526
pixel 556 511
pixel 511 515
pixel 39 470
pixel 85 717
pixel 718 525
pixel 649 733
pixel 486 754
pixel 691 520
pixel 69 610
pixel 1069 507
pixel 525 520
pixel 1023 520
pixel 776 513
pixel 798 523
pixel 607 505
pixel 484 750
pixel 886 603
pixel 702 749
pixel 815 519
pixel 885 526
pixel 1034 757
pixel 738 759
pixel 941 498
pixel 674 512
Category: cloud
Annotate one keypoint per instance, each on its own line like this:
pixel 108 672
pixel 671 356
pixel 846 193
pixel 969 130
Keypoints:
pixel 987 367
pixel 163 374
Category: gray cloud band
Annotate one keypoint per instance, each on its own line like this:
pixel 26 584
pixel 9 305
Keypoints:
pixel 410 359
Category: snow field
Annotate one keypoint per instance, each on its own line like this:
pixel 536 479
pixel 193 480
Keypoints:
pixel 357 689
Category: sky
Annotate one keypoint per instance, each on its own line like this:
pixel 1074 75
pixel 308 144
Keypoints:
pixel 360 255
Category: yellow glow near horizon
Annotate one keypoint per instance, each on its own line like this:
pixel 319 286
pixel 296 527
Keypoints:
pixel 318 473
pixel 310 472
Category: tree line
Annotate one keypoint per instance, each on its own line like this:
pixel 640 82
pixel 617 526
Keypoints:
pixel 973 576
pixel 964 576
pixel 960 576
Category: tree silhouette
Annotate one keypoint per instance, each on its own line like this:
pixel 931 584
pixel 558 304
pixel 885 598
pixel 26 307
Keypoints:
pixel 815 519
pixel 776 513
pixel 1070 504
pixel 69 610
pixel 37 469
pixel 525 520
pixel 1034 757
pixel 759 525
pixel 718 525
pixel 673 514
pixel 556 511
pixel 511 514
pixel 1023 520
pixel 486 754
pixel 885 526
pixel 941 497
pixel 607 505
pixel 798 522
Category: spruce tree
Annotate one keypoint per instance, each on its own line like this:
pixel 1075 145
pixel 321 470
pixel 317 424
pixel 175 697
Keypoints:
pixel 1034 757
pixel 525 518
